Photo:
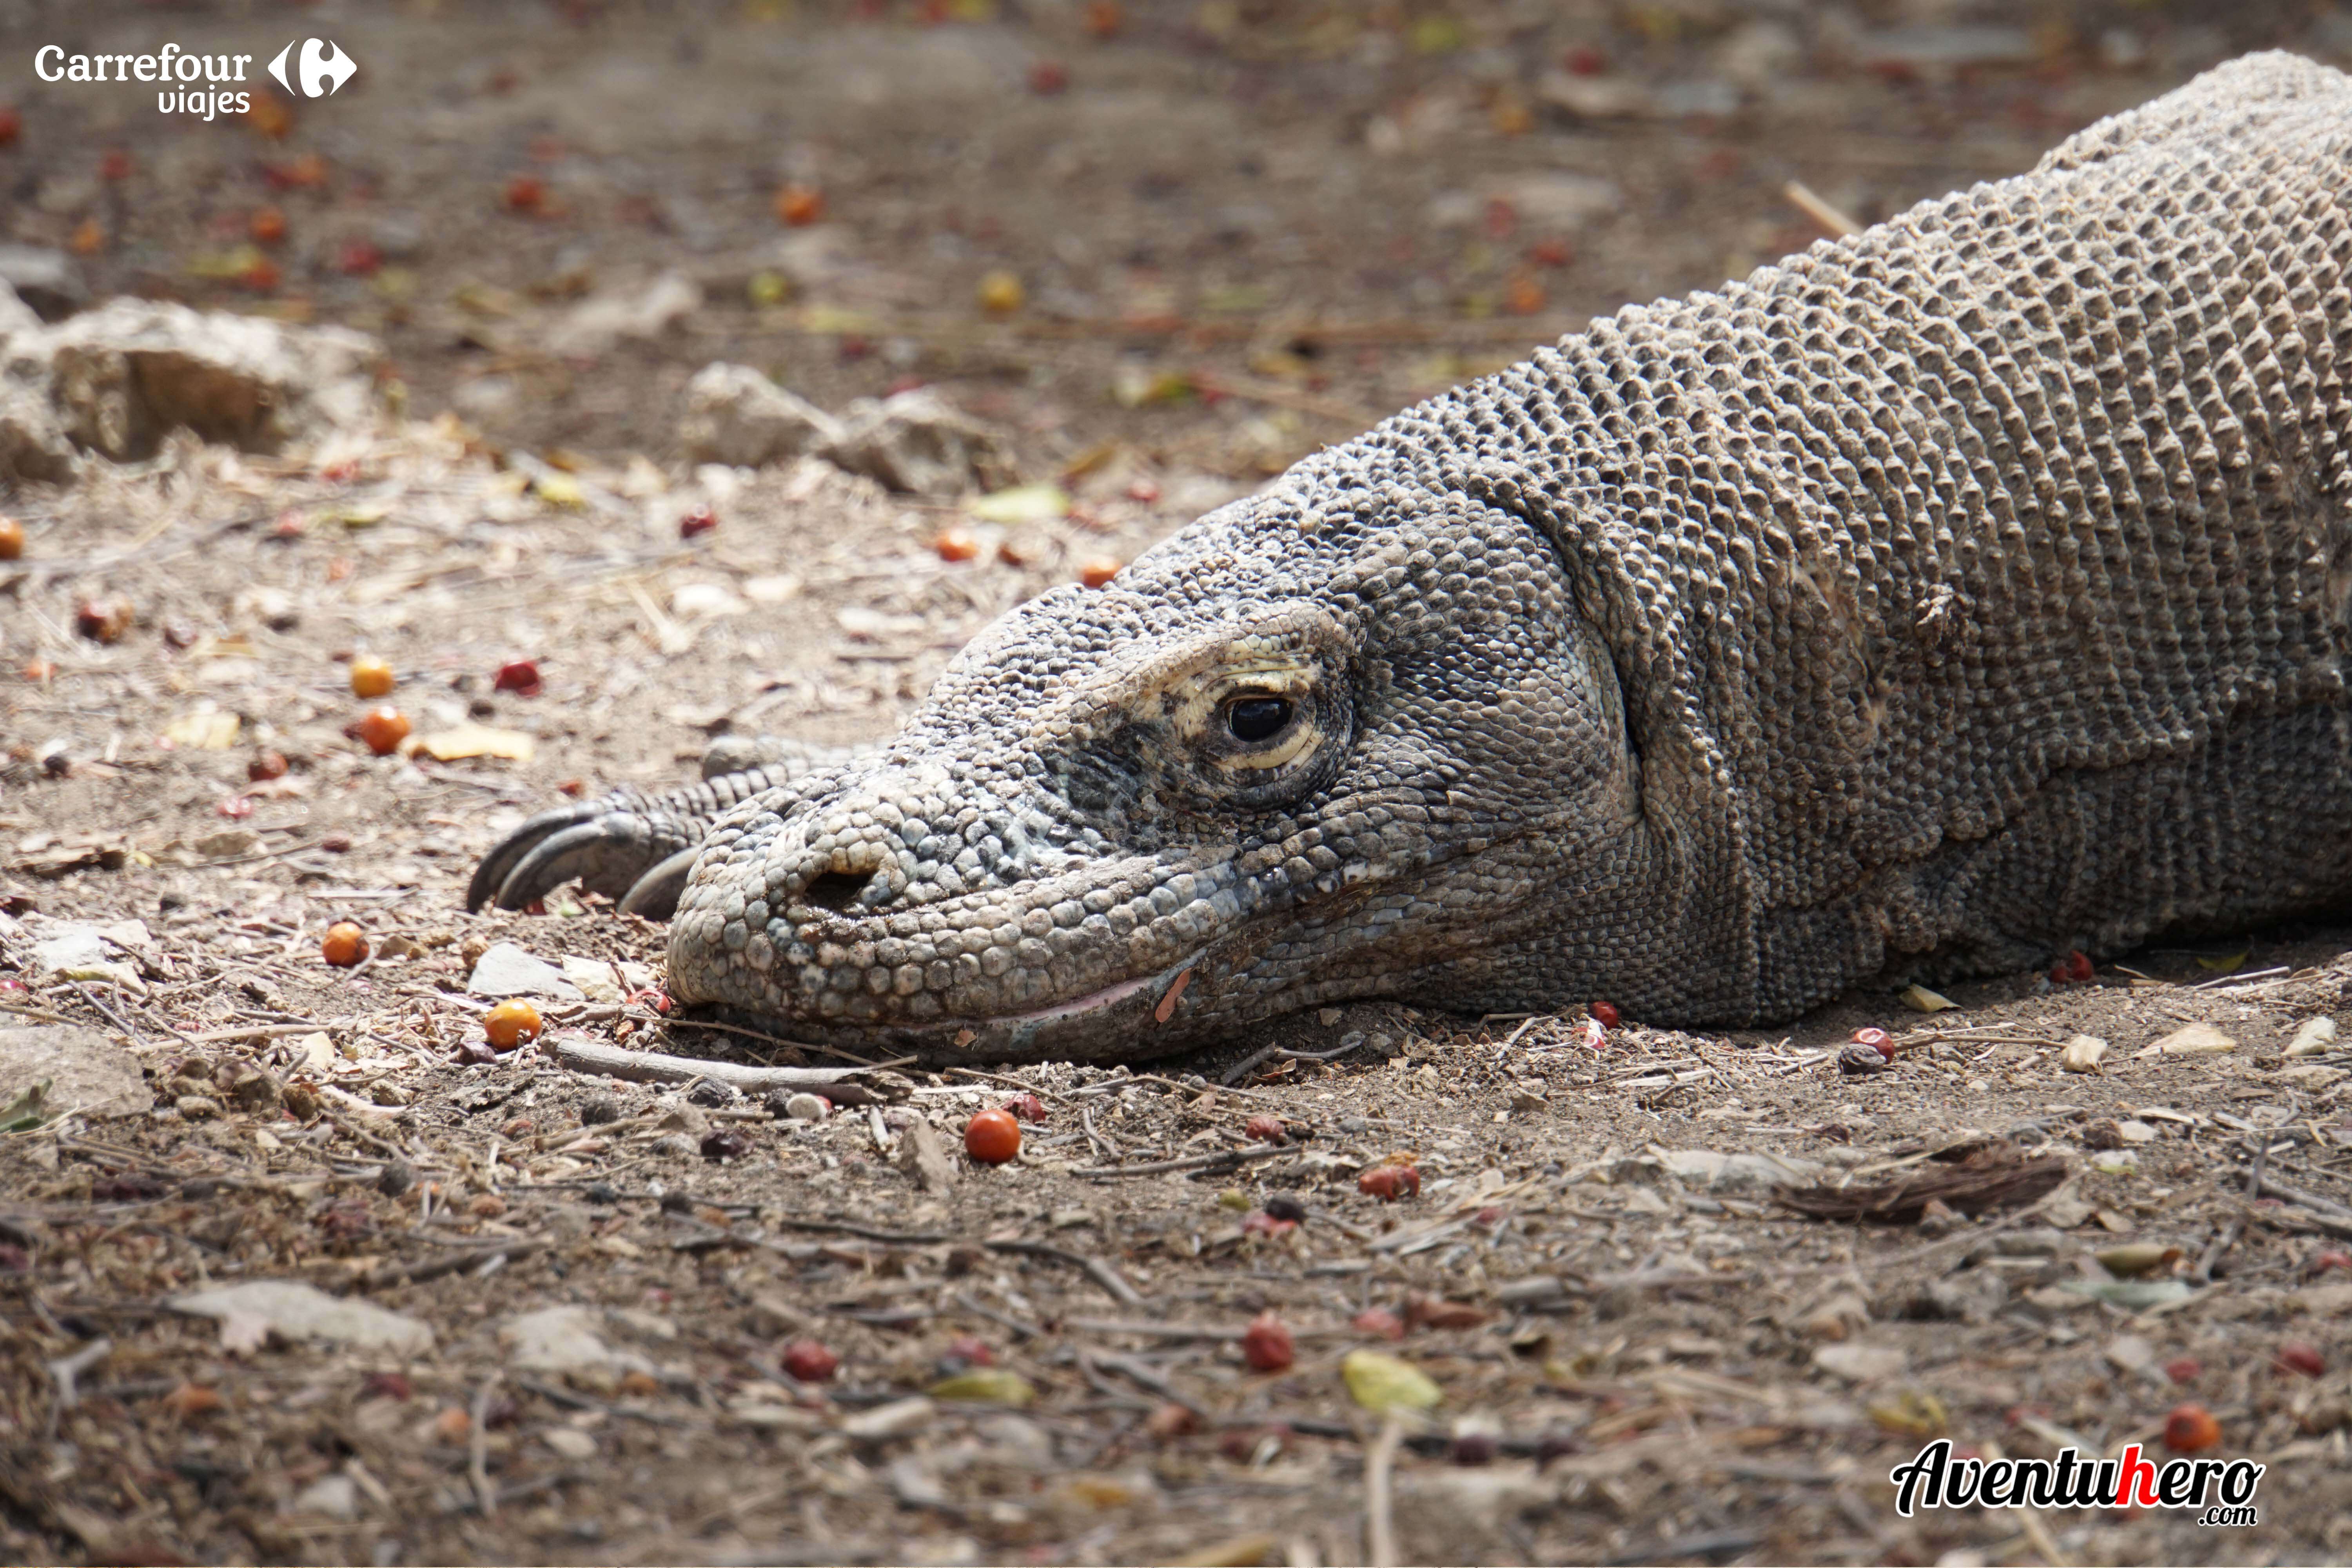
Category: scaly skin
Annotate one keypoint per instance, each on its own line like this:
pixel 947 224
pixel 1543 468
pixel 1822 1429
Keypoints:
pixel 1969 590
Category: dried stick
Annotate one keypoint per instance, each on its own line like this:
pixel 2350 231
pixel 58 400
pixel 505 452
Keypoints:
pixel 837 1084
pixel 1380 1509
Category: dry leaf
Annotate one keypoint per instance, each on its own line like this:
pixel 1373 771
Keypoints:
pixel 473 741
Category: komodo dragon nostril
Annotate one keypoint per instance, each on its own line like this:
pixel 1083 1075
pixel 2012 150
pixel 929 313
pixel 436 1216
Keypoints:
pixel 835 891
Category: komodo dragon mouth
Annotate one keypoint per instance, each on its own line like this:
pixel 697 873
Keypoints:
pixel 1968 589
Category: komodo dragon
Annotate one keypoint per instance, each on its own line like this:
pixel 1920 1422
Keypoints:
pixel 1940 599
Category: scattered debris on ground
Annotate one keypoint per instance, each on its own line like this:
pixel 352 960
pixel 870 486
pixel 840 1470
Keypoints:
pixel 339 553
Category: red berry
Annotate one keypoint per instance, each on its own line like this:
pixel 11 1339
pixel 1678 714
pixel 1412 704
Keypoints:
pixel 520 676
pixel 115 166
pixel 1026 1107
pixel 1379 1322
pixel 2327 1260
pixel 1878 1040
pixel 1389 1182
pixel 388 1385
pixel 1268 1226
pixel 991 1137
pixel 525 194
pixel 1267 1344
pixel 12 125
pixel 1604 1015
pixel 2190 1428
pixel 1267 1130
pixel 2186 1369
pixel 807 1360
pixel 965 1351
pixel 699 521
pixel 2300 1357
pixel 358 259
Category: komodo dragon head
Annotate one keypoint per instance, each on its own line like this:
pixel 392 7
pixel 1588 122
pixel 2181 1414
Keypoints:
pixel 1348 738
pixel 1328 743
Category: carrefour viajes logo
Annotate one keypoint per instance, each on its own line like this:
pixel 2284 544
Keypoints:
pixel 324 68
pixel 193 84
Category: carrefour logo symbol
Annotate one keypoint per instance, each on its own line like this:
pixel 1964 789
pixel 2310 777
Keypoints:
pixel 324 66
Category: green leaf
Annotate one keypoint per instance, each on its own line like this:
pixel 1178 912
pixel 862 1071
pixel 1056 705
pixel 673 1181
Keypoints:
pixel 991 1385
pixel 2134 1294
pixel 27 1110
pixel 1387 1385
pixel 1023 504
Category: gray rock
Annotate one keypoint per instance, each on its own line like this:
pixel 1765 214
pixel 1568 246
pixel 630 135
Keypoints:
pixel 121 377
pixel 293 1310
pixel 15 316
pixel 507 970
pixel 594 977
pixel 597 325
pixel 917 443
pixel 85 1070
pixel 44 279
pixel 568 1341
pixel 336 1496
pixel 33 445
pixel 1720 1172
pixel 737 416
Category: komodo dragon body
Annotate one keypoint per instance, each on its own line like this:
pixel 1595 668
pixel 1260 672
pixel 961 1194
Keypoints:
pixel 1945 598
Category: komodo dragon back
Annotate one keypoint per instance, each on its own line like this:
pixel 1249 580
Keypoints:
pixel 1963 591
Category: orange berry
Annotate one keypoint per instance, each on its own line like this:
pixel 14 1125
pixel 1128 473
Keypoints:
pixel 345 946
pixel 2190 1428
pixel 270 116
pixel 953 544
pixel 1389 1182
pixel 1523 296
pixel 1102 18
pixel 1099 570
pixel 12 539
pixel 89 238
pixel 372 677
pixel 262 277
pixel 1000 293
pixel 991 1137
pixel 510 1023
pixel 798 206
pixel 525 194
pixel 267 226
pixel 383 729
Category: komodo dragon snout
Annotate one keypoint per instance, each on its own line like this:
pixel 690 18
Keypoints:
pixel 1943 598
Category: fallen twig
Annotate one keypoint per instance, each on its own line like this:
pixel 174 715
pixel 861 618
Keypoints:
pixel 1220 1159
pixel 478 1449
pixel 843 1086
pixel 1380 1509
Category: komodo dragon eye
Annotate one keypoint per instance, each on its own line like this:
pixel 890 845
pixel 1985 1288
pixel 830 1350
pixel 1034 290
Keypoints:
pixel 1254 719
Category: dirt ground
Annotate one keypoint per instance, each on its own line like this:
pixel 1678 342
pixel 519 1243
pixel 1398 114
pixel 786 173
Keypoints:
pixel 1235 231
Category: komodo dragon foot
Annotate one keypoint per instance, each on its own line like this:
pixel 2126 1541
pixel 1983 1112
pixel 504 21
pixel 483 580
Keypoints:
pixel 638 847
